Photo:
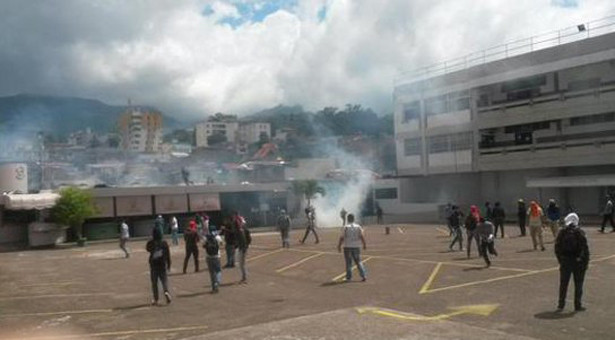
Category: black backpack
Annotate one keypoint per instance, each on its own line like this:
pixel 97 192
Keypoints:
pixel 211 245
pixel 570 244
pixel 158 253
pixel 248 236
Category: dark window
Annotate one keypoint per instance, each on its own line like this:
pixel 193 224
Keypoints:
pixel 461 104
pixel 585 84
pixel 593 119
pixel 438 144
pixel 412 111
pixel 524 83
pixel 436 105
pixel 412 146
pixel 461 141
pixel 386 193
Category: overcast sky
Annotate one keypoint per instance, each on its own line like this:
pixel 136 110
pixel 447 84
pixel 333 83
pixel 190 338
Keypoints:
pixel 192 58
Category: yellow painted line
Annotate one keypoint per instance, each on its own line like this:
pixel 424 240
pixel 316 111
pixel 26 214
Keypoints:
pixel 298 262
pixel 265 254
pixel 88 311
pixel 342 275
pixel 32 297
pixel 456 264
pixel 431 278
pixel 474 283
pixel 483 310
pixel 443 232
pixel 119 333
pixel 401 231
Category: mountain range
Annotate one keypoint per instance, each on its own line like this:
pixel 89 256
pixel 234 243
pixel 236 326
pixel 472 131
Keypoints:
pixel 62 115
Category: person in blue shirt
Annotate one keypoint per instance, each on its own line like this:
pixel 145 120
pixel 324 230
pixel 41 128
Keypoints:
pixel 553 217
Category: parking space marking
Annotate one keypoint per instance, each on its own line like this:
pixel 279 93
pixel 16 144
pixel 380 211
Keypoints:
pixel 443 232
pixel 401 231
pixel 263 255
pixel 119 333
pixel 342 275
pixel 431 278
pixel 87 311
pixel 293 265
pixel 483 310
pixel 67 283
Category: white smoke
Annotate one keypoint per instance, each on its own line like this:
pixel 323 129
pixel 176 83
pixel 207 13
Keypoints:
pixel 349 196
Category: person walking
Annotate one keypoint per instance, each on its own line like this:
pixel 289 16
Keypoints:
pixel 553 217
pixel 230 243
pixel 212 250
pixel 488 212
pixel 448 212
pixel 521 216
pixel 484 229
pixel 159 224
pixel 174 231
pixel 124 236
pixel 191 238
pixel 244 239
pixel 607 214
pixel 352 238
pixel 455 221
pixel 284 227
pixel 572 254
pixel 499 216
pixel 536 215
pixel 470 223
pixel 311 224
pixel 159 264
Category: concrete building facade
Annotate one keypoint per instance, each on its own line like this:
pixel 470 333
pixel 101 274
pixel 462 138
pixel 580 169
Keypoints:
pixel 204 130
pixel 141 130
pixel 487 132
pixel 251 132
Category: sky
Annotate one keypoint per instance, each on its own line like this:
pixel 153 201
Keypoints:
pixel 193 58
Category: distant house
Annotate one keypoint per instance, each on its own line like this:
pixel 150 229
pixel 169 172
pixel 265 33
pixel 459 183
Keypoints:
pixel 141 130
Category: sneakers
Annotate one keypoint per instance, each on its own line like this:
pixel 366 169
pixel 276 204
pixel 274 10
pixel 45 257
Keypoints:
pixel 542 248
pixel 168 297
pixel 364 279
pixel 580 309
pixel 154 303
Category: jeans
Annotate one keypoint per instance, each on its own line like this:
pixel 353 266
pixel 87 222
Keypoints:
pixel 309 228
pixel 123 246
pixel 567 268
pixel 284 235
pixel 522 224
pixel 241 258
pixel 215 273
pixel 194 252
pixel 498 223
pixel 554 226
pixel 536 231
pixel 473 235
pixel 487 248
pixel 174 237
pixel 353 254
pixel 457 237
pixel 609 218
pixel 158 273
pixel 230 255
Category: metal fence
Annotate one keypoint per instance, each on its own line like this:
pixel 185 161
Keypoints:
pixel 513 48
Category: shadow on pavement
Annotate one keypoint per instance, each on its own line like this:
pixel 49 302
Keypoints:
pixel 554 315
pixel 525 251
pixel 473 269
pixel 143 305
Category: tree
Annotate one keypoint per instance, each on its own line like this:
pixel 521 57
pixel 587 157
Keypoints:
pixel 308 189
pixel 72 209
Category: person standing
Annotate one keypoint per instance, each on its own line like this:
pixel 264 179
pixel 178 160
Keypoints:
pixel 521 214
pixel 212 250
pixel 159 224
pixel 488 213
pixel 311 224
pixel 553 217
pixel 244 239
pixel 124 236
pixel 230 243
pixel 572 254
pixel 471 223
pixel 174 231
pixel 352 238
pixel 379 213
pixel 607 214
pixel 455 220
pixel 499 216
pixel 284 227
pixel 536 215
pixel 159 264
pixel 448 212
pixel 484 229
pixel 191 238
pixel 343 214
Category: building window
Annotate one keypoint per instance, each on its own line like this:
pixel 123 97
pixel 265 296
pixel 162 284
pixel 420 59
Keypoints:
pixel 386 193
pixel 438 144
pixel 534 82
pixel 412 111
pixel 461 141
pixel 593 119
pixel 436 105
pixel 412 146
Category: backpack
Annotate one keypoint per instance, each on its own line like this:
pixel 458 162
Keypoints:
pixel 211 245
pixel 569 242
pixel 248 236
pixel 157 253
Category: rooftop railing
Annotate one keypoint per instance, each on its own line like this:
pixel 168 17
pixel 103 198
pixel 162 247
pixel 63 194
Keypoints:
pixel 510 49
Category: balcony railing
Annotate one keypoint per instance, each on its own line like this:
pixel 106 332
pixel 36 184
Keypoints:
pixel 514 48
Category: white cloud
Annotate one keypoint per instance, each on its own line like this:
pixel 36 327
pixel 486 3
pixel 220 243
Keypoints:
pixel 172 55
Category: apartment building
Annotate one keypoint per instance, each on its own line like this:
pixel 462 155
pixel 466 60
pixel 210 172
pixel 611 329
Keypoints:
pixel 141 130
pixel 251 132
pixel 534 119
pixel 234 131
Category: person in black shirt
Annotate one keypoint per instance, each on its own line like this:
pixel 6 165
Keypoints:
pixel 455 223
pixel 498 216
pixel 191 237
pixel 521 215
pixel 572 254
pixel 159 264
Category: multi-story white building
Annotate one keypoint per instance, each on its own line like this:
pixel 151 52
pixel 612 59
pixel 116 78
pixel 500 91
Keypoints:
pixel 251 132
pixel 204 130
pixel 141 131
pixel 533 120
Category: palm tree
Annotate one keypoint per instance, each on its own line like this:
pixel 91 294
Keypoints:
pixel 308 189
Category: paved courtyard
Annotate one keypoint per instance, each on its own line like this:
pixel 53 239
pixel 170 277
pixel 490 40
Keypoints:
pixel 416 289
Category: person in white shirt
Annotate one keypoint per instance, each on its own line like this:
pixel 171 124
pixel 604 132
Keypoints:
pixel 174 231
pixel 124 236
pixel 352 238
